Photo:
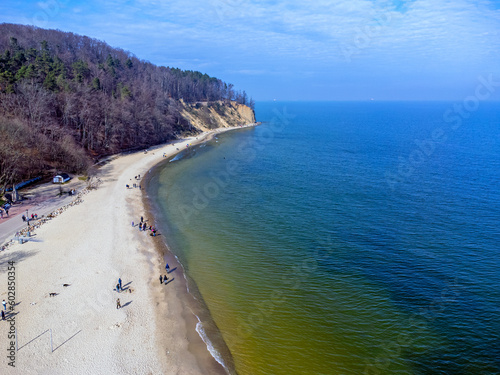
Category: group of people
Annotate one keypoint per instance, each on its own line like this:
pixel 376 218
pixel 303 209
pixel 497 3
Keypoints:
pixel 138 178
pixel 5 208
pixel 151 228
pixel 119 288
pixel 144 227
pixel 27 218
pixel 163 279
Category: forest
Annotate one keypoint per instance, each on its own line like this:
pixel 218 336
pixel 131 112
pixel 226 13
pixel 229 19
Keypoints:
pixel 66 100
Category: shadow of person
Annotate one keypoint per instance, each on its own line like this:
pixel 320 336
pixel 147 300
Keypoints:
pixel 172 270
pixel 10 314
pixel 169 280
pixel 126 285
pixel 126 304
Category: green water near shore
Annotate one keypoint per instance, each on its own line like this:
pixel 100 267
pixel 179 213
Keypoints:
pixel 310 264
pixel 267 300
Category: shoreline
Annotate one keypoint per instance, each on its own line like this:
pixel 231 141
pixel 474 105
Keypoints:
pixel 194 306
pixel 177 291
pixel 88 248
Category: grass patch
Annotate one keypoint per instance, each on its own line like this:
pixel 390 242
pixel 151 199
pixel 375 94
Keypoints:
pixel 83 178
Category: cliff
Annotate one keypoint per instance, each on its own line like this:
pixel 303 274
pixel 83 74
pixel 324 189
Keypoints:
pixel 205 116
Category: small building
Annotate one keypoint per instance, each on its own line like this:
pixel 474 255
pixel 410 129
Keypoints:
pixel 61 178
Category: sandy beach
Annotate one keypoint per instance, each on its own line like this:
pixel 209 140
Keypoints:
pixel 79 257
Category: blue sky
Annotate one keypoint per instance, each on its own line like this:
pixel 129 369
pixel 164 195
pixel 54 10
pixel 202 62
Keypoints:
pixel 298 50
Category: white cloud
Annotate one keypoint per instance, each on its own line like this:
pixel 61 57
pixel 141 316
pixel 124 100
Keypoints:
pixel 440 29
pixel 338 38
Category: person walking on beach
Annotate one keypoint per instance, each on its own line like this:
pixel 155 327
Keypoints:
pixel 118 288
pixel 4 305
pixel 142 219
pixel 167 267
pixel 161 279
pixel 165 278
pixel 120 283
pixel 118 304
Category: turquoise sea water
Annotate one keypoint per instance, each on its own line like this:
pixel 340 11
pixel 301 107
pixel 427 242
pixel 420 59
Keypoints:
pixel 345 238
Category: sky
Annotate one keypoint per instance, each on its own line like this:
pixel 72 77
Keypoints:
pixel 298 50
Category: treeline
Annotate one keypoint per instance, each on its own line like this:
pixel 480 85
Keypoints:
pixel 66 99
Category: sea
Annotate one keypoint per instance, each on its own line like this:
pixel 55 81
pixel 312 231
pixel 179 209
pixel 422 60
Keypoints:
pixel 343 238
